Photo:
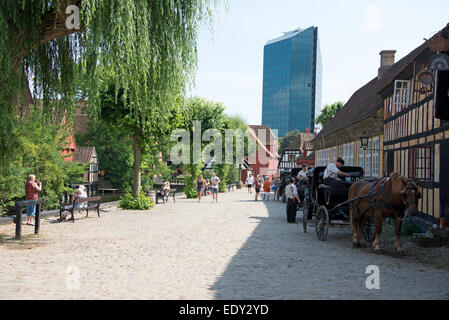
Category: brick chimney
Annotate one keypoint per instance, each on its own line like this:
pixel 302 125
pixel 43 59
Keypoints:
pixel 386 61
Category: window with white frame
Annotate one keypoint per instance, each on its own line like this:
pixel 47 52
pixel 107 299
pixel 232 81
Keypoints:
pixel 401 94
pixel 376 157
pixel 348 152
pixel 368 162
pixel 361 157
pixel 323 157
pixel 318 157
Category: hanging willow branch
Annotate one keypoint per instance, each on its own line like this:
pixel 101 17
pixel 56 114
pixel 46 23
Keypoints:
pixel 149 44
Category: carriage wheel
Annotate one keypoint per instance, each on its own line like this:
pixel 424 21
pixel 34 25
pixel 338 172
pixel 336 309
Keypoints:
pixel 368 230
pixel 322 223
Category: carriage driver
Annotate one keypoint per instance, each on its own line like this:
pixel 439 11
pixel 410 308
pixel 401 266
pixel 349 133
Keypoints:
pixel 333 171
pixel 302 175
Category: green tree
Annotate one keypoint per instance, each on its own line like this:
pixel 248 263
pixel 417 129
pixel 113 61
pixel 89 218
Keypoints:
pixel 150 46
pixel 328 112
pixel 287 140
pixel 114 152
pixel 40 155
pixel 211 116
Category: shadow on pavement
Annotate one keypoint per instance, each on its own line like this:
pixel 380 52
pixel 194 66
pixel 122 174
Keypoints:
pixel 264 266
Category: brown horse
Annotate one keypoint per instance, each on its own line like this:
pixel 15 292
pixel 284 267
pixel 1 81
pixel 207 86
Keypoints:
pixel 394 197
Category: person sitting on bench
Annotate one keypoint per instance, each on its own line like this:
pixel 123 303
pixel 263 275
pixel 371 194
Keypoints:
pixel 333 171
pixel 164 189
pixel 80 194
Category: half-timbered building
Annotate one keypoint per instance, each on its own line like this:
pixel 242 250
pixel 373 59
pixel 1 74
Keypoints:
pixel 405 129
pixel 416 140
pixel 298 153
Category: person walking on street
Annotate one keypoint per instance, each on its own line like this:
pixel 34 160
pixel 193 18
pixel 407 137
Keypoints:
pixel 32 188
pixel 257 187
pixel 249 182
pixel 206 187
pixel 215 181
pixel 291 194
pixel 266 189
pixel 275 188
pixel 200 186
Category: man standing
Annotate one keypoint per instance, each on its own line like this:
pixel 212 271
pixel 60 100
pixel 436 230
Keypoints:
pixel 214 181
pixel 291 194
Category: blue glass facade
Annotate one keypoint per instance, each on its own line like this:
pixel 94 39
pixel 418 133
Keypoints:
pixel 292 78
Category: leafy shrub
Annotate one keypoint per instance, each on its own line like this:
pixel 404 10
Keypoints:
pixel 408 229
pixel 141 202
pixel 38 153
pixel 190 188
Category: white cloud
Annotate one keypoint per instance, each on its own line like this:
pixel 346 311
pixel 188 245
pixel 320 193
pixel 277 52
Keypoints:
pixel 372 17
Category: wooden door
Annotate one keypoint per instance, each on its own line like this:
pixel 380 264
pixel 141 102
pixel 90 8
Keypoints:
pixel 390 162
pixel 444 180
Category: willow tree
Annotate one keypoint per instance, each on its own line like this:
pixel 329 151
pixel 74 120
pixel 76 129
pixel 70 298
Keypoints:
pixel 150 45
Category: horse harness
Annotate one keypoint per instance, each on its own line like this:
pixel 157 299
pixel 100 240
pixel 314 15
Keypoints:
pixel 375 202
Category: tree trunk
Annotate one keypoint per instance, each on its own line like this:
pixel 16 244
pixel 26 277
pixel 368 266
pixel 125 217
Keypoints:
pixel 53 26
pixel 137 162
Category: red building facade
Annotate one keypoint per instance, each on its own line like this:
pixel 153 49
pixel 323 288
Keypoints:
pixel 265 160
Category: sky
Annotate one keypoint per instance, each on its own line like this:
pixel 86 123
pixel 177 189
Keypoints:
pixel 351 34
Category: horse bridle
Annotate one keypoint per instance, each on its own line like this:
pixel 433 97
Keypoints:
pixel 410 186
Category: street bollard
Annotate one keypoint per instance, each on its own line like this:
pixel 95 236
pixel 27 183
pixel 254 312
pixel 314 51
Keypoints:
pixel 18 222
pixel 19 208
pixel 37 222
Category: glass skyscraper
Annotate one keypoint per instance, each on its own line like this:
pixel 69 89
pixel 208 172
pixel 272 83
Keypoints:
pixel 292 78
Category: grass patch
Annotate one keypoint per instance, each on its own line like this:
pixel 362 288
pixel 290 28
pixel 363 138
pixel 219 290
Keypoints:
pixel 434 257
pixel 2 238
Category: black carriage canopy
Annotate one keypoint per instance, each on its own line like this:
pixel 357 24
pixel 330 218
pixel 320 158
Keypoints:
pixel 318 172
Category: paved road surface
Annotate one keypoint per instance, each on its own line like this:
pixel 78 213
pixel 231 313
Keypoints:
pixel 233 249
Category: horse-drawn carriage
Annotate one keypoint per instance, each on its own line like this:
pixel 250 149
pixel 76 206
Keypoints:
pixel 284 177
pixel 328 204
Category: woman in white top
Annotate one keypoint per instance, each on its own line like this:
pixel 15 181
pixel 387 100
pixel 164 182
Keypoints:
pixel 249 182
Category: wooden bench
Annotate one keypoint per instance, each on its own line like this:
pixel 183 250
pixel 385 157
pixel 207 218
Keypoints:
pixel 170 193
pixel 93 203
pixel 114 191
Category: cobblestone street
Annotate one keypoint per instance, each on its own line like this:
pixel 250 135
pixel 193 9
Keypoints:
pixel 234 249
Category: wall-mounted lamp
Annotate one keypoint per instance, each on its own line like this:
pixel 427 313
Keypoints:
pixel 364 141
